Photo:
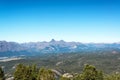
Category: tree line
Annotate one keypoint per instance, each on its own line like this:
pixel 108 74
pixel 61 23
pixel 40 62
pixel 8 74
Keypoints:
pixel 23 72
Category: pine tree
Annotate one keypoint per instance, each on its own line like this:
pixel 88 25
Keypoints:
pixel 90 73
pixel 19 72
pixel 112 76
pixel 45 74
pixel 1 74
pixel 25 72
pixel 34 73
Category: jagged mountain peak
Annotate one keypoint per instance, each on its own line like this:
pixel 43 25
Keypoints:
pixel 53 40
pixel 53 46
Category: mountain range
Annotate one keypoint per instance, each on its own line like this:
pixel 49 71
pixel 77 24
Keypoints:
pixel 33 48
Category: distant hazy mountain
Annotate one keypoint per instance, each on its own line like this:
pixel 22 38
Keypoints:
pixel 53 46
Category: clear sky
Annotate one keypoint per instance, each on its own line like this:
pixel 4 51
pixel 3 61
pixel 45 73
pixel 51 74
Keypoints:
pixel 69 20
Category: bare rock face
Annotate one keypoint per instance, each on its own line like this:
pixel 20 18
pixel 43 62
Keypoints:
pixel 67 75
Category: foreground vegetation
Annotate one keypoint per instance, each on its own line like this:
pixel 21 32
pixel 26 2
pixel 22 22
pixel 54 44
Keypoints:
pixel 89 72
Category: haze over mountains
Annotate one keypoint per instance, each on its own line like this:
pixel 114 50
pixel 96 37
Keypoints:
pixel 33 48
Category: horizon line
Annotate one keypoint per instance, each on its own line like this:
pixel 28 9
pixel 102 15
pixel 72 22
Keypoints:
pixel 20 42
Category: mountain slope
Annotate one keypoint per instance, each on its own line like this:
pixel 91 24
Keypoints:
pixel 36 48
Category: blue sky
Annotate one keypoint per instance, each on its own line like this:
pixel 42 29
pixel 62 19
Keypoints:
pixel 69 20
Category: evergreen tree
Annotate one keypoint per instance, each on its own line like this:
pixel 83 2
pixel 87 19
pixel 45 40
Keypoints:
pixel 45 74
pixel 112 77
pixel 34 72
pixel 90 73
pixel 1 74
pixel 25 72
pixel 18 75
